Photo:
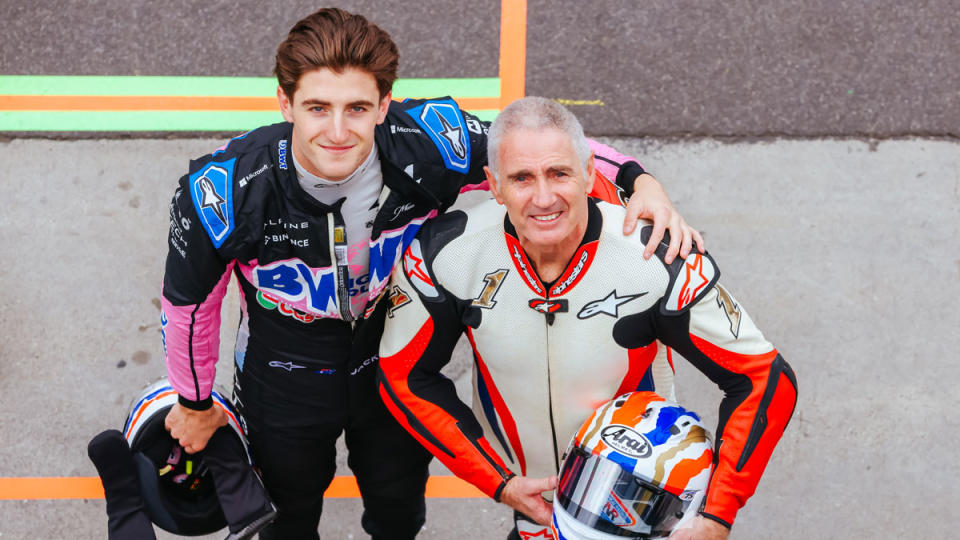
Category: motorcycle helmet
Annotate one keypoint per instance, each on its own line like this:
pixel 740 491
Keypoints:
pixel 638 468
pixel 177 488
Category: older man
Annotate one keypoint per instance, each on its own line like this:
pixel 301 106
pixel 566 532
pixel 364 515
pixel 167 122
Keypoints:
pixel 563 313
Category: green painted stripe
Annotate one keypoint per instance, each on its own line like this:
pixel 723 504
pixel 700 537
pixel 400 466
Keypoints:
pixel 136 120
pixel 42 85
pixel 147 120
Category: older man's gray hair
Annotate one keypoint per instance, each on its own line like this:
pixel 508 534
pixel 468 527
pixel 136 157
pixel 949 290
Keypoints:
pixel 535 113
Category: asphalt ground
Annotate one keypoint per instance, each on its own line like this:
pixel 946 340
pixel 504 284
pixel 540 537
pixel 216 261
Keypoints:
pixel 662 68
pixel 843 252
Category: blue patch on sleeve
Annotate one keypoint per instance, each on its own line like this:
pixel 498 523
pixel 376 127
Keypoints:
pixel 212 190
pixel 443 122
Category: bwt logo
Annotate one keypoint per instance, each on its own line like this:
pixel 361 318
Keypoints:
pixel 626 441
pixel 294 281
pixel 386 250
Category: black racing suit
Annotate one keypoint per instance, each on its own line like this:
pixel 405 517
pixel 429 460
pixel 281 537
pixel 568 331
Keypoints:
pixel 305 364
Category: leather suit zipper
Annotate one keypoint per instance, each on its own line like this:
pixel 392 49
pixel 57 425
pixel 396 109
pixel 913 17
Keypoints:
pixel 550 317
pixel 339 252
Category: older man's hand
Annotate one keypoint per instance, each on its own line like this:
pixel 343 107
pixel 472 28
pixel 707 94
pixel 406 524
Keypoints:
pixel 702 529
pixel 650 201
pixel 524 495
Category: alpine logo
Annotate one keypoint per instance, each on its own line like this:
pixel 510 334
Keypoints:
pixel 549 306
pixel 444 123
pixel 608 305
pixel 626 441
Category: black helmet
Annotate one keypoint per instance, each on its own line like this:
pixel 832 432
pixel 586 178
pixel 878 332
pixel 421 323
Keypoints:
pixel 149 476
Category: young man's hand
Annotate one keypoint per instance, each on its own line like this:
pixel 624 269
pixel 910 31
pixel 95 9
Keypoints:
pixel 194 428
pixel 524 495
pixel 650 201
pixel 702 529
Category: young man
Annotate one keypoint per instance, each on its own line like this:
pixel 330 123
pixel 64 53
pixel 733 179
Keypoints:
pixel 311 216
pixel 563 314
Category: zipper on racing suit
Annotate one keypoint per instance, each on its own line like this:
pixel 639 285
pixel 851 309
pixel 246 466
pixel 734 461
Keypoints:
pixel 338 254
pixel 550 318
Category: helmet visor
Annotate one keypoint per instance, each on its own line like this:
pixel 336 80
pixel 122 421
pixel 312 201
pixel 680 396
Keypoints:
pixel 602 495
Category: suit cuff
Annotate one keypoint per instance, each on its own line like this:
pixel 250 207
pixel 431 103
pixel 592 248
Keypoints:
pixel 201 405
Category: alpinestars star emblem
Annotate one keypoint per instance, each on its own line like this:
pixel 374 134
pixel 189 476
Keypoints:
pixel 609 305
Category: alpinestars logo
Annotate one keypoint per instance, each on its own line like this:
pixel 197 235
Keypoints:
pixel 210 198
pixel 694 282
pixel 608 305
pixel 289 366
pixel 549 306
pixel 454 134
pixel 584 257
pixel 531 281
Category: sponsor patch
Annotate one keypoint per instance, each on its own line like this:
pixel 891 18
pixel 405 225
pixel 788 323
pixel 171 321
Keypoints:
pixel 365 363
pixel 282 154
pixel 268 301
pixel 398 298
pixel 444 123
pixel 212 190
pixel 492 282
pixel 608 305
pixel 288 366
pixel 549 306
pixel 616 512
pixel 573 274
pixel 730 308
pixel 294 281
pixel 626 441
pixel 694 278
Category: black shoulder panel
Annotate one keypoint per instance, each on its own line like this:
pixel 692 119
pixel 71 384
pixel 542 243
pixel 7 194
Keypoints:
pixel 690 278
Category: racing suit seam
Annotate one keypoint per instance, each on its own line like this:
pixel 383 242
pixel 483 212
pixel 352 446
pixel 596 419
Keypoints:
pixel 193 369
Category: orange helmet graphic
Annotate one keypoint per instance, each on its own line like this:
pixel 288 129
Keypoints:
pixel 639 467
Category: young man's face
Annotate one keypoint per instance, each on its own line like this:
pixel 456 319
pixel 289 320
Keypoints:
pixel 334 116
pixel 544 186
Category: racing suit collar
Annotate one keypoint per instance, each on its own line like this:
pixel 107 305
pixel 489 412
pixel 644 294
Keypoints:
pixel 591 234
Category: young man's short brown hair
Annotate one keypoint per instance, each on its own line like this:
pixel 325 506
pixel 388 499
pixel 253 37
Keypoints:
pixel 335 39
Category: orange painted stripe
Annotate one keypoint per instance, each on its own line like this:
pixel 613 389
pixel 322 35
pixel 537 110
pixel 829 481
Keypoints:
pixel 342 487
pixel 172 103
pixel 51 488
pixel 451 487
pixel 513 50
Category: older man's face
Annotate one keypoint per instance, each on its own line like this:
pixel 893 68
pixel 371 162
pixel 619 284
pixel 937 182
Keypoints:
pixel 544 186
